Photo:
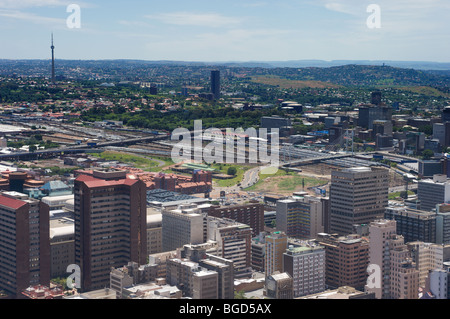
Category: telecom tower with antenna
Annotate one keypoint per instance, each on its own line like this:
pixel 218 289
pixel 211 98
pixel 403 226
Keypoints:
pixel 53 61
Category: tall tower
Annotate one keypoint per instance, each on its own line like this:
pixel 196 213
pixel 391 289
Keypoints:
pixel 358 195
pixel 215 83
pixel 53 61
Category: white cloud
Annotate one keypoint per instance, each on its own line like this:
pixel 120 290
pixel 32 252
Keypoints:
pixel 213 20
pixel 19 15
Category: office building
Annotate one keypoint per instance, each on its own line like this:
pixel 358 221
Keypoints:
pixel 358 195
pixel 300 217
pixel 347 259
pixel 404 277
pixel 110 224
pixel 427 257
pixel 25 243
pixel 306 265
pixel 413 224
pixel 215 84
pixel 279 286
pixel 182 226
pixel 367 114
pixel 194 281
pixel 437 283
pixel 251 214
pixel 275 122
pixel 258 258
pixel 380 231
pixel 276 244
pixel 234 240
pixel 432 192
pixel 62 245
pixel 443 224
pixel 446 114
pixel 395 275
pixel 154 231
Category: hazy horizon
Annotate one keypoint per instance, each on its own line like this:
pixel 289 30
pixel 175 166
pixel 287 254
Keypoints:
pixel 235 31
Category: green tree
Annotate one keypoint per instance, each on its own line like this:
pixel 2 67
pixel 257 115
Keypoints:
pixel 427 154
pixel 232 170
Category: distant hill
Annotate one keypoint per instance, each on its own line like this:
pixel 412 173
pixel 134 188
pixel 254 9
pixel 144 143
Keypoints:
pixel 304 72
pixel 365 75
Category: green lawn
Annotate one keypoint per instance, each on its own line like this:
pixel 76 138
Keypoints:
pixel 223 168
pixel 131 159
pixel 285 182
pixel 393 196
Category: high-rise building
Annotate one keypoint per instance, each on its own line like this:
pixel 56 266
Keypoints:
pixel 347 259
pixel 306 265
pixel 251 214
pixel 432 192
pixel 397 276
pixel 301 217
pixel 215 84
pixel 368 113
pixel 110 225
pixel 234 240
pixel 404 277
pixel 380 231
pixel 446 114
pixel 413 224
pixel 25 243
pixel 426 256
pixel 276 245
pixel 443 224
pixel 182 226
pixel 358 196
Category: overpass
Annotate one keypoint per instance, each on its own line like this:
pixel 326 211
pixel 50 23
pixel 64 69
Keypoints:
pixel 315 160
pixel 49 153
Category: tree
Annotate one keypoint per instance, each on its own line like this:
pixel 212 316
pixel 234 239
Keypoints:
pixel 232 170
pixel 427 154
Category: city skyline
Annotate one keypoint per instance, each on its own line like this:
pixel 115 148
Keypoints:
pixel 235 31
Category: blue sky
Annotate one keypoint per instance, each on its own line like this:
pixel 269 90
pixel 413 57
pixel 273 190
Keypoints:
pixel 245 30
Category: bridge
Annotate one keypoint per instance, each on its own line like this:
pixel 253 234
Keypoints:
pixel 49 153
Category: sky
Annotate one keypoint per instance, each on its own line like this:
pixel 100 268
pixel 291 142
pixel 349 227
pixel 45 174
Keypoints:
pixel 232 30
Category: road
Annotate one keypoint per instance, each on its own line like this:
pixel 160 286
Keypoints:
pixel 250 178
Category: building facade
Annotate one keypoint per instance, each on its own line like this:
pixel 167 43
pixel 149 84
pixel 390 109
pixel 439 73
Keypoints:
pixel 347 259
pixel 306 265
pixel 358 195
pixel 110 225
pixel 25 243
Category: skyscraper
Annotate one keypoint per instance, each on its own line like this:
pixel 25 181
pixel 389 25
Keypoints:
pixel 358 196
pixel 398 277
pixel 215 83
pixel 110 225
pixel 24 244
pixel 53 62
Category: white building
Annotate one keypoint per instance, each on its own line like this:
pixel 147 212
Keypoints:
pixel 306 265
pixel 182 226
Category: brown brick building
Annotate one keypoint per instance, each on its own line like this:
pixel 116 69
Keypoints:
pixel 110 225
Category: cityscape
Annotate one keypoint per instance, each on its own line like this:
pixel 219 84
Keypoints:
pixel 251 180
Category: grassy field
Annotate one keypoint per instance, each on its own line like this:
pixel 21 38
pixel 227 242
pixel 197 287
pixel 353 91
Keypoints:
pixel 223 168
pixel 134 160
pixel 425 90
pixel 393 196
pixel 285 183
pixel 291 84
